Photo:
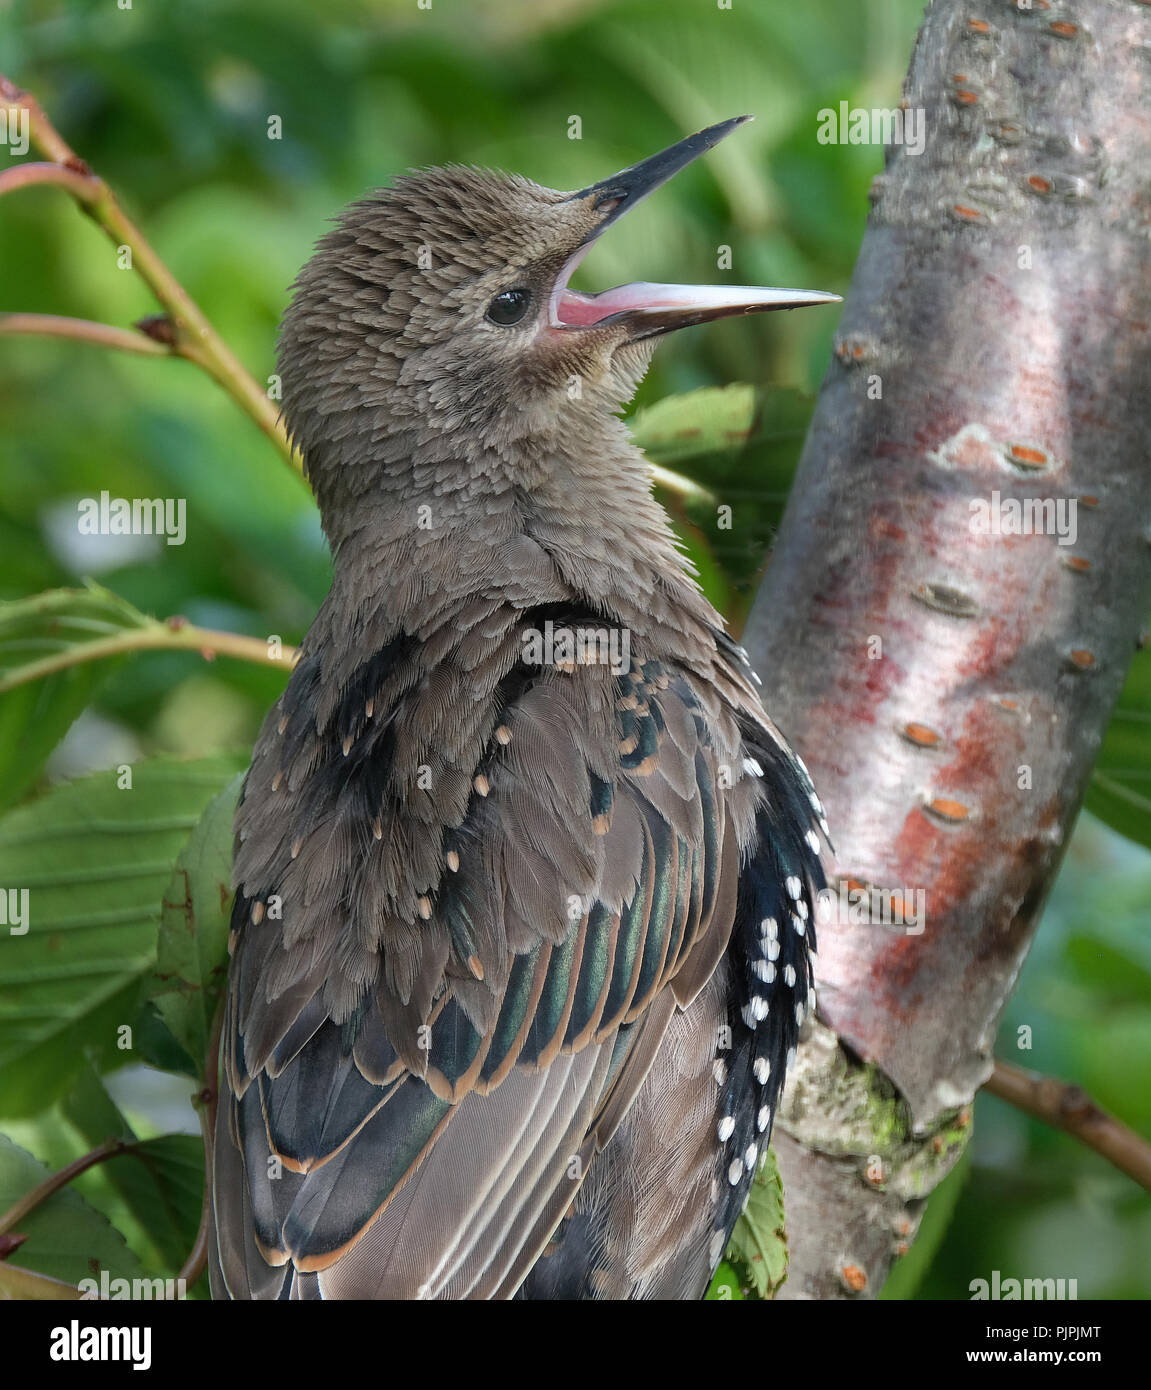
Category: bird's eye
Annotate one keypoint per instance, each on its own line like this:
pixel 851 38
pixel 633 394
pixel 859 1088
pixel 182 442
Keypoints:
pixel 509 307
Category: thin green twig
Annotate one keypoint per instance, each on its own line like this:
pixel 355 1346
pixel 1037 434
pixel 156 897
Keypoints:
pixel 189 334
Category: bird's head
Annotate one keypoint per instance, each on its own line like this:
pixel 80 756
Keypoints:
pixel 441 305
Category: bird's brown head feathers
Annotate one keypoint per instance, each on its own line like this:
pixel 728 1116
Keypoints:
pixel 431 307
pixel 436 319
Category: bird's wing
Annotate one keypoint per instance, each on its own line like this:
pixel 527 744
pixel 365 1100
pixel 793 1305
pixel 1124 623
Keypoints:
pixel 657 1213
pixel 427 1141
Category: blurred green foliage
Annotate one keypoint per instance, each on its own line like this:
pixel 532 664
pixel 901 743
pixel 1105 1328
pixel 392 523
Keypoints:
pixel 172 106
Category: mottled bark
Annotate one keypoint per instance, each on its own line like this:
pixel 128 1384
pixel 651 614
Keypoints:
pixel 949 689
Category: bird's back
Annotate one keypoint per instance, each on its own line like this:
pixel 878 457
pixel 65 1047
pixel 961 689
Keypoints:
pixel 519 951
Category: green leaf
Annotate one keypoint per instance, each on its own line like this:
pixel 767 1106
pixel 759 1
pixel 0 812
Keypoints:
pixel 1110 972
pixel 67 1238
pixel 192 961
pixel 159 1048
pixel 725 1286
pixel 706 421
pixel 1120 788
pixel 161 1180
pixel 94 1114
pixel 168 1194
pixel 743 444
pixel 1112 1064
pixel 35 715
pixel 1120 806
pixel 758 1246
pixel 91 860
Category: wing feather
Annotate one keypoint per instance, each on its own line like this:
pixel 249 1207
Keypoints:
pixel 427 1130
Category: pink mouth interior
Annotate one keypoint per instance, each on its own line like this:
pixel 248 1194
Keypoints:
pixel 582 310
pixel 574 309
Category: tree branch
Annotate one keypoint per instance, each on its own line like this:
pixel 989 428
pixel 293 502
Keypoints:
pixel 173 635
pixel 207 1101
pixel 192 336
pixel 948 685
pixel 1071 1109
pixel 26 1285
pixel 80 186
pixel 25 1205
pixel 85 331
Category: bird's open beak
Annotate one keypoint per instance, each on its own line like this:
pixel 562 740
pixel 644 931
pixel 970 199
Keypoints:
pixel 648 309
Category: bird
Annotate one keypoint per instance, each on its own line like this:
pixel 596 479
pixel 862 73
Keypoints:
pixel 525 875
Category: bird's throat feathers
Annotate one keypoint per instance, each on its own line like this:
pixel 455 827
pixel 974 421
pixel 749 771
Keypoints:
pixel 537 522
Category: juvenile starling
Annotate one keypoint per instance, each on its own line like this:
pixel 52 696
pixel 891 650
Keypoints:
pixel 525 874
